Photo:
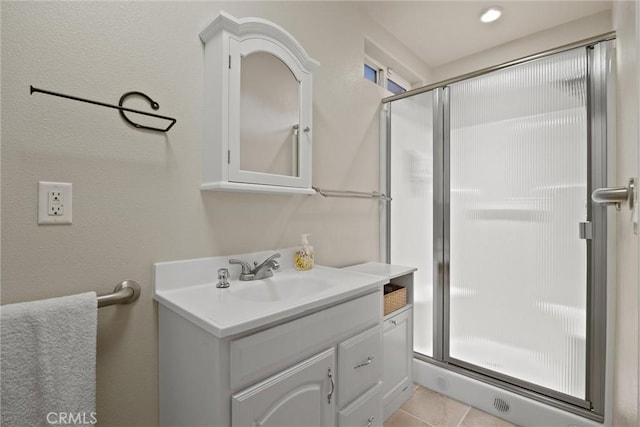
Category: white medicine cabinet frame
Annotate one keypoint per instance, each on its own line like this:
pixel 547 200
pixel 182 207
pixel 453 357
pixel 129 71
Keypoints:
pixel 227 40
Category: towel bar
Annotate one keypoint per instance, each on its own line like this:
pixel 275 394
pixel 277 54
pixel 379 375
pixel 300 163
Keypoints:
pixel 352 194
pixel 124 293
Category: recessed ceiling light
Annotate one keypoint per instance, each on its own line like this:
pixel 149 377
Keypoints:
pixel 491 14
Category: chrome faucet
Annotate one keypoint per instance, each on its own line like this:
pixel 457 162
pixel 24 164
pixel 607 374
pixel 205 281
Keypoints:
pixel 259 271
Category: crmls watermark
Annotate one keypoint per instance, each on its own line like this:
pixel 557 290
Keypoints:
pixel 71 418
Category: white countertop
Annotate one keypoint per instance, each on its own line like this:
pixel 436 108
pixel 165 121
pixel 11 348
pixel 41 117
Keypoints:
pixel 189 289
pixel 380 269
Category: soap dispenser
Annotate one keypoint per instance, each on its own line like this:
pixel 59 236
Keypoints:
pixel 304 254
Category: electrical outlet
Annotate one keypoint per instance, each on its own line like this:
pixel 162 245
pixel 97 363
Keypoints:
pixel 54 202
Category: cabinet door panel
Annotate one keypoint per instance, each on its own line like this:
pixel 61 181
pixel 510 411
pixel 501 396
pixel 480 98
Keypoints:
pixel 366 411
pixel 298 396
pixel 359 364
pixel 397 354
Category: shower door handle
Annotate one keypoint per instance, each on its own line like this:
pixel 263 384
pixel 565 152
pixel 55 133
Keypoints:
pixel 616 195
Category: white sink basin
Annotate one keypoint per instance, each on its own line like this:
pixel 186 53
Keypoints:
pixel 188 288
pixel 282 288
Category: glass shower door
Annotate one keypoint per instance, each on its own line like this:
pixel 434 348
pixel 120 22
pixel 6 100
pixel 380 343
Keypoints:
pixel 411 228
pixel 518 181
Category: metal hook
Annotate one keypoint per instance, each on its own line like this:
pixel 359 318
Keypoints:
pixel 153 105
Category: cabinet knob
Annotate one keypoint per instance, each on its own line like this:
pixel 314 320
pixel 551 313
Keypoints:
pixel 394 322
pixel 370 421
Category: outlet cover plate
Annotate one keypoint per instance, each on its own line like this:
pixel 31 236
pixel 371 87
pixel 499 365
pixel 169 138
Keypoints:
pixel 44 201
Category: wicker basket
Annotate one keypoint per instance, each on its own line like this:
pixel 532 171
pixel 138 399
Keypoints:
pixel 395 297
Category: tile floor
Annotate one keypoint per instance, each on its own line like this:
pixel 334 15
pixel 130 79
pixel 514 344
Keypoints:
pixel 427 408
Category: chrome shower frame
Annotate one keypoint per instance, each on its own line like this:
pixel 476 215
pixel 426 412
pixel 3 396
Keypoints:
pixel 600 51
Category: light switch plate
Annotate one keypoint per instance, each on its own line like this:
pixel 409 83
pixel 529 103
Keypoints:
pixel 55 202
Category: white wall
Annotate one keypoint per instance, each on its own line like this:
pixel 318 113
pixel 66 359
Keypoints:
pixel 570 32
pixel 625 381
pixel 136 194
pixel 384 46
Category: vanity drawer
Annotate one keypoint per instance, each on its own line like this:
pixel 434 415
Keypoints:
pixel 359 364
pixel 259 355
pixel 366 411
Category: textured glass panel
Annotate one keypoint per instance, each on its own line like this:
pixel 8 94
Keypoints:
pixel 518 191
pixel 411 235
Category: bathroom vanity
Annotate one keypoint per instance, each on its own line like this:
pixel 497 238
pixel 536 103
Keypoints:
pixel 300 348
pixel 397 378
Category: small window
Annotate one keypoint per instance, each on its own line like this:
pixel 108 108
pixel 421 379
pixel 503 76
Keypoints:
pixel 382 67
pixel 394 87
pixel 370 73
pixel 383 76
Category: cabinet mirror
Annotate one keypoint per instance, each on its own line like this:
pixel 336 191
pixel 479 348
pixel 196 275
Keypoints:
pixel 269 115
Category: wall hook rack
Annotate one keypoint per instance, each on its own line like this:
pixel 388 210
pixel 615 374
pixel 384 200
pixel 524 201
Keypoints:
pixel 118 107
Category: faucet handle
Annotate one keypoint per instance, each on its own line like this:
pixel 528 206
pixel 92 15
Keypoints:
pixel 246 267
pixel 272 257
pixel 223 276
pixel 275 263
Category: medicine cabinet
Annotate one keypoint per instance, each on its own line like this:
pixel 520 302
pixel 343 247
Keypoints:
pixel 257 108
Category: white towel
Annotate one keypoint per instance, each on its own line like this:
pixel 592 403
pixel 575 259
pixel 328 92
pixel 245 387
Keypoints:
pixel 48 361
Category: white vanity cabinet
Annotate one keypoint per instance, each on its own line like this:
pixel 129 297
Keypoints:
pixel 301 348
pixel 319 369
pixel 397 360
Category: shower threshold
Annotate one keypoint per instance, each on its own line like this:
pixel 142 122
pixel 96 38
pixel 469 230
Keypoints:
pixel 502 403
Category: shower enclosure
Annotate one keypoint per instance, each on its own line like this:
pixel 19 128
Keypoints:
pixel 490 176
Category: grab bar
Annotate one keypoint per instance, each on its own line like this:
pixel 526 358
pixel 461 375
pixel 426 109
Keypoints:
pixel 615 195
pixel 124 293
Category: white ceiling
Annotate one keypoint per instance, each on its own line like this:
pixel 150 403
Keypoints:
pixel 442 31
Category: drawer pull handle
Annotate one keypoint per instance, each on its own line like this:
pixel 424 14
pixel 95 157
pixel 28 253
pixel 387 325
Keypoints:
pixel 394 323
pixel 365 363
pixel 332 386
pixel 370 421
